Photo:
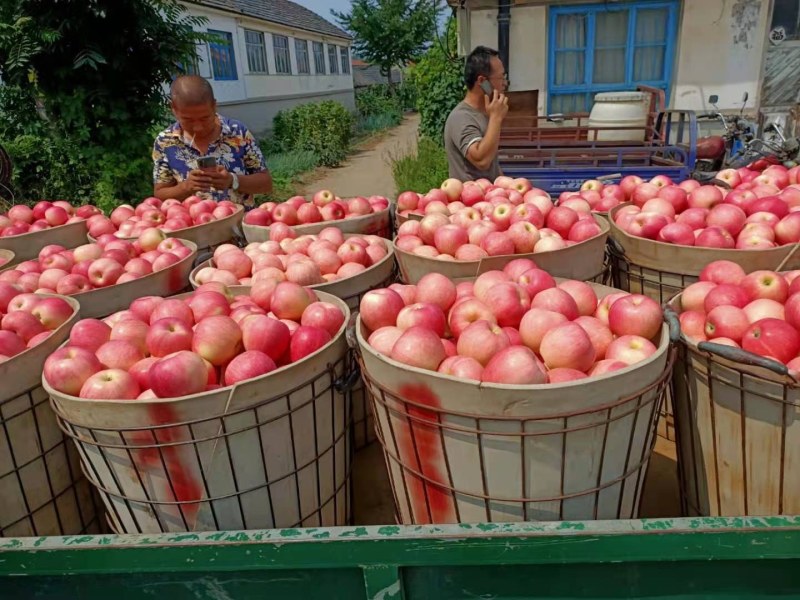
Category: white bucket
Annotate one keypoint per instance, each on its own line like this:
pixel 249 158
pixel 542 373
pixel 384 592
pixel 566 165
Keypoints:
pixel 42 488
pixel 27 245
pixel 619 109
pixel 738 424
pixel 102 302
pixel 584 261
pixel 458 451
pixel 270 452
pixel 378 223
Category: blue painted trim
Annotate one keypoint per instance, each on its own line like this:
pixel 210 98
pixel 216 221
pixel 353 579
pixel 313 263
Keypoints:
pixel 591 11
pixel 228 47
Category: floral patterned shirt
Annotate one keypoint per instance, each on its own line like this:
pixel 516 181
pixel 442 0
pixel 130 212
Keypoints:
pixel 236 149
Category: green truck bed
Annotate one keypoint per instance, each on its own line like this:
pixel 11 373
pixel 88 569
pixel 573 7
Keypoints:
pixel 654 559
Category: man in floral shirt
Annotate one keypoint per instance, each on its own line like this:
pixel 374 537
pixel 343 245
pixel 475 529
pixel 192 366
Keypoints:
pixel 240 170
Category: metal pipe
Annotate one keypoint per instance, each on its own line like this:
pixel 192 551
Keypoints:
pixel 504 32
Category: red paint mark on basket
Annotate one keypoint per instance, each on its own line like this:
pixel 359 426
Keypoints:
pixel 431 503
pixel 180 485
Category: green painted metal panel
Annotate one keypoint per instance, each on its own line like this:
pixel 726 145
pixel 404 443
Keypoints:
pixel 653 559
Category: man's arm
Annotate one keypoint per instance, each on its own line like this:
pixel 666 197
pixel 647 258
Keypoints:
pixel 256 183
pixel 481 153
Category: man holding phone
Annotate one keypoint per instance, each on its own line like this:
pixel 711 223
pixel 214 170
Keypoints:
pixel 472 131
pixel 204 153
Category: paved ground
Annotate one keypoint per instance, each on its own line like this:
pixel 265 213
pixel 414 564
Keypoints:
pixel 369 172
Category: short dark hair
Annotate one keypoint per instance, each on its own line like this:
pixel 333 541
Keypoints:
pixel 191 90
pixel 479 62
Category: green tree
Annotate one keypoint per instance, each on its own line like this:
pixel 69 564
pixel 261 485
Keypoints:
pixel 93 71
pixel 439 80
pixel 389 33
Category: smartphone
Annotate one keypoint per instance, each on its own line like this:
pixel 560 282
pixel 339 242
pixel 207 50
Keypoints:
pixel 487 88
pixel 206 162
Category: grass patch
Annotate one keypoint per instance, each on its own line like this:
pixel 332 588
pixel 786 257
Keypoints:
pixel 421 170
pixel 378 122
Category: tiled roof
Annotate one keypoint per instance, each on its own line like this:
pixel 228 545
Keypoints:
pixel 282 12
pixel 366 75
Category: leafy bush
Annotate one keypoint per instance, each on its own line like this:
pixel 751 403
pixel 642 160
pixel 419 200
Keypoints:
pixel 324 128
pixel 376 100
pixel 422 170
pixel 438 78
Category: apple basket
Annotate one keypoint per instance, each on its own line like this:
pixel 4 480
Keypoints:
pixel 27 245
pixel 42 488
pixel 207 236
pixel 737 417
pixel 378 223
pixel 102 302
pixel 269 452
pixel 660 270
pixel 462 451
pixel 350 290
pixel 584 261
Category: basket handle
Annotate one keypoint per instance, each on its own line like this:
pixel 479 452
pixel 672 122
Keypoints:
pixel 201 258
pixel 615 248
pixel 350 332
pixel 744 357
pixel 671 317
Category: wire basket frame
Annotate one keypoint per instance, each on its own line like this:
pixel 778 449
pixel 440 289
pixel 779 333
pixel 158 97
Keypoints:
pixel 42 489
pixel 276 462
pixel 738 437
pixel 472 478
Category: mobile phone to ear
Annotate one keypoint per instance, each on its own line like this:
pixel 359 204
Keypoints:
pixel 487 88
pixel 206 162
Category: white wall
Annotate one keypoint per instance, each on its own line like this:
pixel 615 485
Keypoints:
pixel 720 49
pixel 257 86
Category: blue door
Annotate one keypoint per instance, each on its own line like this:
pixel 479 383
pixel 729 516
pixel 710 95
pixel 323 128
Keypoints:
pixel 609 47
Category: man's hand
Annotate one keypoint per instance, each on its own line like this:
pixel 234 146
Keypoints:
pixel 497 107
pixel 197 181
pixel 220 178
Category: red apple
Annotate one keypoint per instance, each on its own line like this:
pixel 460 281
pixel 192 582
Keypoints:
pixel 481 340
pixel 567 346
pixel 772 338
pixel 765 284
pixel 722 271
pixel 248 365
pixel 514 365
pixel 630 349
pixel 67 369
pixel 110 384
pixel 89 334
pixel 217 339
pixel 178 374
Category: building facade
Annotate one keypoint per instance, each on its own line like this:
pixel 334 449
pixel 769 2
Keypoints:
pixel 561 53
pixel 271 55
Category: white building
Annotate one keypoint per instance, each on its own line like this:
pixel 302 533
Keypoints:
pixel 562 52
pixel 271 55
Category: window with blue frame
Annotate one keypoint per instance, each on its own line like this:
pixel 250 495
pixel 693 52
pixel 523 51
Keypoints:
pixel 223 59
pixel 605 47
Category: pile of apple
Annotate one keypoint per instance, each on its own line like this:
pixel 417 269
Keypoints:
pixel 504 229
pixel 167 348
pixel 515 326
pixel 307 259
pixel 453 195
pixel 759 212
pixel 323 206
pixel 22 219
pixel 126 221
pixel 758 312
pixel 106 262
pixel 27 319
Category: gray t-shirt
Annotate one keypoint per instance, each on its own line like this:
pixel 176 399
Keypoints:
pixel 465 126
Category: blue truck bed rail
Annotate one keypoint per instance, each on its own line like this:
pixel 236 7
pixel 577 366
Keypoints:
pixel 558 168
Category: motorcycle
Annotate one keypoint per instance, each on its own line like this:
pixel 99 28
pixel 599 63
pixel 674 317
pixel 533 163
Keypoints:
pixel 715 152
pixel 757 154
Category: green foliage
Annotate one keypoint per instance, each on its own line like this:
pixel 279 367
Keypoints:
pixel 86 78
pixel 422 170
pixel 388 33
pixel 438 78
pixel 378 122
pixel 376 100
pixel 324 128
pixel 289 164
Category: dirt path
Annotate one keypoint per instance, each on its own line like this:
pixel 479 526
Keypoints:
pixel 369 171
